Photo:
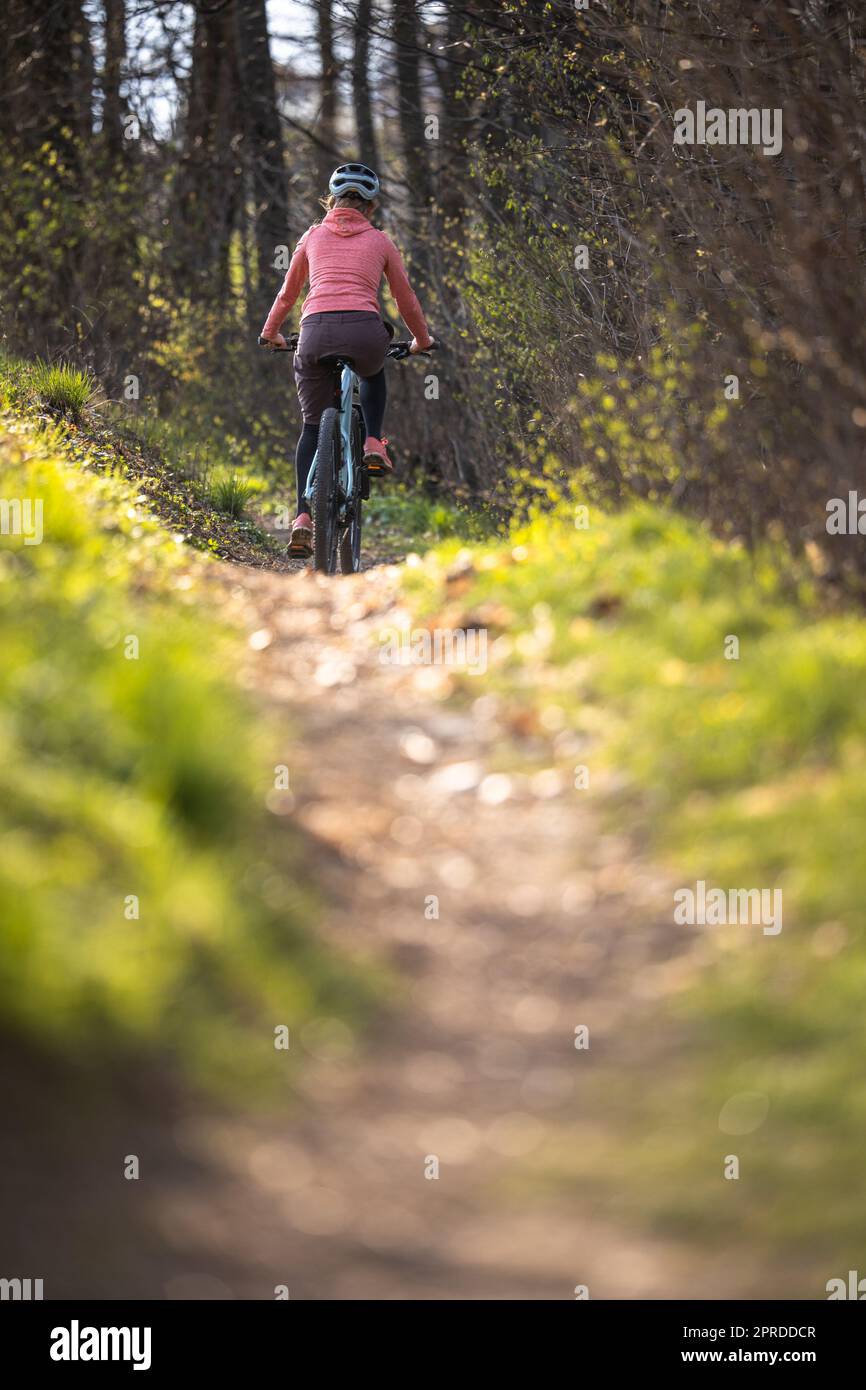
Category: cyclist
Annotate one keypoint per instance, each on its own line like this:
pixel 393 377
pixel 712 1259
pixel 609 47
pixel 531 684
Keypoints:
pixel 344 258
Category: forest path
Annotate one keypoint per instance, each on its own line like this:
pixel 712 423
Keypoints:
pixel 401 790
pixel 544 923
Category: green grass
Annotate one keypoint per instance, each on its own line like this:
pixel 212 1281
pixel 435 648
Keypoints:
pixel 414 516
pixel 230 494
pixel 132 769
pixel 62 389
pixel 746 773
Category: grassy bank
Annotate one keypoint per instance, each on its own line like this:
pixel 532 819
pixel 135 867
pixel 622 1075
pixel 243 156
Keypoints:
pixel 222 495
pixel 200 491
pixel 737 762
pixel 150 897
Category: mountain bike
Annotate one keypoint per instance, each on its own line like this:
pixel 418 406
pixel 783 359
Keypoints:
pixel 338 482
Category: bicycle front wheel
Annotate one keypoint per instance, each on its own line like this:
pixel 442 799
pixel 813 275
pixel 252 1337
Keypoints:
pixel 325 499
pixel 350 541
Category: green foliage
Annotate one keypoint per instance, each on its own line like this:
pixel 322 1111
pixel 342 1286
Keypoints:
pixel 70 273
pixel 743 772
pixel 39 227
pixel 130 768
pixel 216 394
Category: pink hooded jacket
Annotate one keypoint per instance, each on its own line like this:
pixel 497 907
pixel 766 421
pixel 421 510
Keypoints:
pixel 344 259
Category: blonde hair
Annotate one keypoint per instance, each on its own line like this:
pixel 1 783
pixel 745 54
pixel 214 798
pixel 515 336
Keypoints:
pixel 349 200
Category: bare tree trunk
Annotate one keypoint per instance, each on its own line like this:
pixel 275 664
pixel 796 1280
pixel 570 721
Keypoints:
pixel 455 127
pixel 107 265
pixel 412 130
pixel 46 74
pixel 114 106
pixel 361 95
pixel 327 124
pixel 46 113
pixel 209 183
pixel 263 139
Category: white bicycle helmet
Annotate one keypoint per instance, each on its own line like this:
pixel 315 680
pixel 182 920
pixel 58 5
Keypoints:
pixel 354 178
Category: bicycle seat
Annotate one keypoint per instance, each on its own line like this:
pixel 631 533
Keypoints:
pixel 337 359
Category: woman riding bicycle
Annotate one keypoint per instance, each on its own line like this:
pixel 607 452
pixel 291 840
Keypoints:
pixel 344 258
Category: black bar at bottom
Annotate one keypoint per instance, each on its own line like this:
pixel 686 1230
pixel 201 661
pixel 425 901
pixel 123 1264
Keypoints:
pixel 222 1338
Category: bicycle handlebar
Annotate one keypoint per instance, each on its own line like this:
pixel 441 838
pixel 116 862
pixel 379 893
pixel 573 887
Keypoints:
pixel 397 351
pixel 290 345
pixel 400 350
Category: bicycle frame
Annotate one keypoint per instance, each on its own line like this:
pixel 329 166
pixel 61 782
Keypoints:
pixel 347 389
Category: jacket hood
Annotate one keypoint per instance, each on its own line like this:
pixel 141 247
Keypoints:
pixel 346 222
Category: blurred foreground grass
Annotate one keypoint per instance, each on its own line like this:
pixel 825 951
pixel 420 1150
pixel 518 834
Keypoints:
pixel 743 772
pixel 132 769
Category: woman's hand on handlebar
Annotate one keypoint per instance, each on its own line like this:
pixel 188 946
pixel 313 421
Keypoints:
pixel 401 350
pixel 278 343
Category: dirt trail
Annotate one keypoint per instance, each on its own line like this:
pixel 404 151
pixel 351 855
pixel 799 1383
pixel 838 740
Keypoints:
pixel 544 923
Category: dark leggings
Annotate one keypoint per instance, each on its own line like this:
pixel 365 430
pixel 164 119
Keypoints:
pixel 374 394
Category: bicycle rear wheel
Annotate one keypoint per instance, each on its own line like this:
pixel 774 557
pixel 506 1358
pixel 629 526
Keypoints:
pixel 325 499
